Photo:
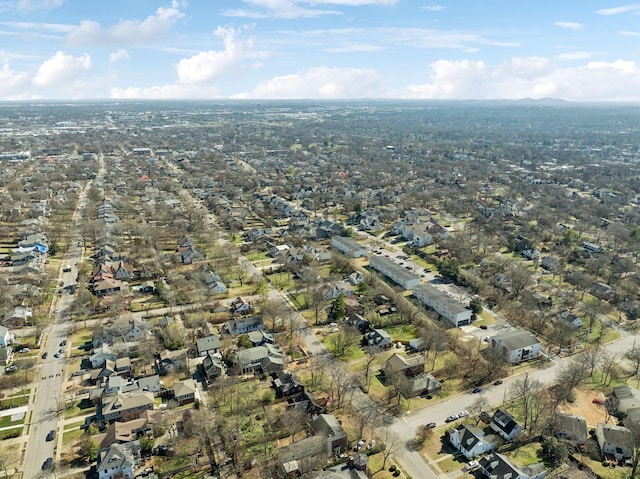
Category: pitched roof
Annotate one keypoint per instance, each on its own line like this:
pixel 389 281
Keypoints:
pixel 517 339
pixel 504 421
pixel 185 387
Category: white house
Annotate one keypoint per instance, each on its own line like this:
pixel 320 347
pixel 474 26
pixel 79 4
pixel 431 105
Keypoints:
pixel 504 424
pixel 616 441
pixel 516 345
pixel 471 441
pixel 6 337
pixel 118 460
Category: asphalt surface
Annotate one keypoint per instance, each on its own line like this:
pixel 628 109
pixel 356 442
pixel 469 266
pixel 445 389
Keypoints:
pixel 49 397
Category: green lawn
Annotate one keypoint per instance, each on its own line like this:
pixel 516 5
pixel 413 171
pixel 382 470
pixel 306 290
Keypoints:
pixel 525 455
pixel 402 332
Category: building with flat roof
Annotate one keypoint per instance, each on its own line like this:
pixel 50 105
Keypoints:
pixel 447 307
pixel 348 246
pixel 395 272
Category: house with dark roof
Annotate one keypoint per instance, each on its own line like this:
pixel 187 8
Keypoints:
pixel 286 384
pixel 471 441
pixel 570 428
pixel 516 345
pixel 616 441
pixel 497 466
pixel 504 424
pixel 213 366
pixel 378 337
pixel 328 427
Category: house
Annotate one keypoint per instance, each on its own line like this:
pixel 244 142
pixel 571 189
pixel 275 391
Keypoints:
pixel 260 337
pixel 378 337
pixel 356 278
pixel 272 364
pixel 516 345
pixel 123 432
pixel 623 398
pixel 213 366
pixel 338 288
pixel 137 331
pixel 215 283
pixel 497 466
pixel 125 406
pixel 243 325
pixel 327 426
pixel 414 380
pixel 6 337
pixel 286 384
pixel 570 427
pixel 19 317
pixel 570 319
pixel 348 246
pixel 118 461
pixel 616 441
pixel 184 391
pixel 504 424
pixel 107 286
pixel 446 306
pixel 240 306
pixel 100 355
pixel 190 254
pixel 208 344
pixel 6 356
pixel 601 290
pixel 550 264
pixel 471 441
pixel 249 360
pixel 299 457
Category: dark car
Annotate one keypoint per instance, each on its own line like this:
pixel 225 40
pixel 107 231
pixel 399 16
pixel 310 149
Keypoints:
pixel 45 355
pixel 48 463
pixel 498 382
pixel 431 425
pixel 52 435
pixel 477 389
pixel 483 326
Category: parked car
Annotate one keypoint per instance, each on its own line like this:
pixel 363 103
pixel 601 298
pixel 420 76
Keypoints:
pixel 51 435
pixel 471 465
pixel 45 355
pixel 431 425
pixel 47 463
pixel 477 389
pixel 498 382
pixel 11 369
pixel 597 401
pixel 463 414
pixel 451 418
pixel 483 326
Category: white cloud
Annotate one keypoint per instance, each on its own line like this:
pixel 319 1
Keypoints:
pixel 127 32
pixel 354 48
pixel 13 85
pixel 208 65
pixel 575 26
pixel 533 77
pixel 34 26
pixel 453 79
pixel 627 33
pixel 121 54
pixel 38 5
pixel 289 9
pixel 321 83
pixel 61 68
pixel 433 8
pixel 574 55
pixel 617 10
pixel 160 92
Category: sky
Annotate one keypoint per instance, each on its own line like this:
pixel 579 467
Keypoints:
pixel 576 50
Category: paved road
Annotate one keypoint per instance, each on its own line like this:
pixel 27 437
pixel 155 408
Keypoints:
pixel 48 396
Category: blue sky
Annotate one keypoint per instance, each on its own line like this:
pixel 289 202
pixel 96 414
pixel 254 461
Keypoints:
pixel 579 50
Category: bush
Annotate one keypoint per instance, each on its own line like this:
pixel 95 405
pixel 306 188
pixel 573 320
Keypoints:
pixel 396 473
pixel 392 468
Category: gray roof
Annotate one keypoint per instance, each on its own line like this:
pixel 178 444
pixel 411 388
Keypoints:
pixel 327 424
pixel 399 271
pixel 498 466
pixel 208 343
pixel 119 456
pixel 517 339
pixel 436 296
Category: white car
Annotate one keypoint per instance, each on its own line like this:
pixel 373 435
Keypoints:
pixel 452 418
pixel 463 413
pixel 471 465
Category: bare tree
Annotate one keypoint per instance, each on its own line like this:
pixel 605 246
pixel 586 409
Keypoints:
pixel 633 356
pixel 390 443
pixel 520 278
pixel 341 341
pixel 478 406
pixel 608 367
pixel 372 353
pixel 341 381
pixel 524 390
